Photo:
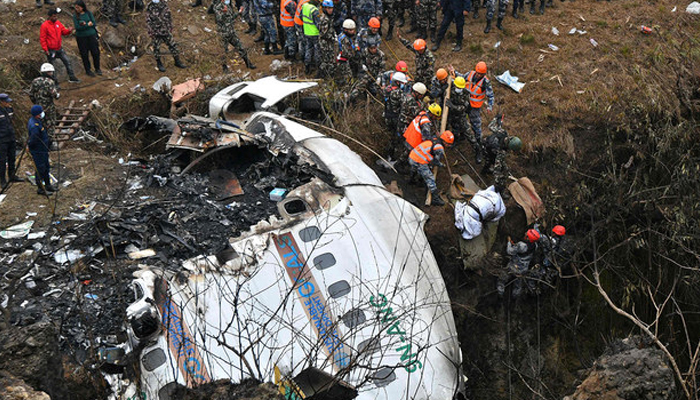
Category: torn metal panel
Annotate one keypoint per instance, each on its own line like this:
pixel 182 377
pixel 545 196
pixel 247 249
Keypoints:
pixel 200 134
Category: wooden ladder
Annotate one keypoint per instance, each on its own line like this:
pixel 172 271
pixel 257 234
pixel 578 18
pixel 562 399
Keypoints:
pixel 70 120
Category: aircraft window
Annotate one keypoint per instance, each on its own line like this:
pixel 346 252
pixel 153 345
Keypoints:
pixel 339 289
pixel 354 318
pixel 310 233
pixel 383 376
pixel 325 260
pixel 153 359
pixel 294 207
pixel 369 346
pixel 138 291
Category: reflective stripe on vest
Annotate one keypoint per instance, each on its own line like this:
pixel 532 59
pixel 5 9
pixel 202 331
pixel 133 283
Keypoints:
pixel 413 134
pixel 297 14
pixel 286 19
pixel 423 153
pixel 310 29
pixel 476 91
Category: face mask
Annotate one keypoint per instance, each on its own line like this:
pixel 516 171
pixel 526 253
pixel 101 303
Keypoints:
pixel 458 90
pixel 156 1
pixel 227 2
pixel 42 115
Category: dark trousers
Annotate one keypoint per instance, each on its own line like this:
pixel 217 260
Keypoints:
pixel 89 45
pixel 54 54
pixel 449 16
pixel 7 156
pixel 41 160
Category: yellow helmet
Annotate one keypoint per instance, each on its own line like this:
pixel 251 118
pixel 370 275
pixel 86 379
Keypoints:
pixel 460 82
pixel 435 109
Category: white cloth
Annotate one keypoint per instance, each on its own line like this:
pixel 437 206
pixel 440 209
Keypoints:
pixel 490 205
pixel 511 81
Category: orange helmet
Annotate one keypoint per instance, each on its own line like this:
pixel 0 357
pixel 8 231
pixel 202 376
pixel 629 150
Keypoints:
pixel 441 74
pixel 532 235
pixel 481 67
pixel 419 45
pixel 401 66
pixel 559 230
pixel 447 137
pixel 374 23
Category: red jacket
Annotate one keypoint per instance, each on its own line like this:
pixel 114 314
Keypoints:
pixel 50 35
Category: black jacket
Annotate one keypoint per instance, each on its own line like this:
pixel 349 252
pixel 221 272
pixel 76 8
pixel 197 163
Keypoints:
pixel 7 131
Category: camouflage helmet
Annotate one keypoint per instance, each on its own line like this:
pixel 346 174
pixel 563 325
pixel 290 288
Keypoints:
pixel 514 143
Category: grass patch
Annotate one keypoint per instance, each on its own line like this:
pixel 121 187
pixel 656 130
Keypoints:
pixel 527 38
pixel 476 48
pixel 602 24
pixel 626 51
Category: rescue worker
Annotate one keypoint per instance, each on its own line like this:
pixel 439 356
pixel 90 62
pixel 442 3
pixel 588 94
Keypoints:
pixel 7 142
pixel 532 6
pixel 328 41
pixel 159 22
pixel 423 127
pixel 452 10
pixel 299 27
pixel 490 9
pixel 249 15
pixel 225 14
pixel 47 2
pixel 310 16
pixel 51 35
pixel 521 255
pixel 38 144
pixel 363 10
pixel 425 61
pixel 517 4
pixel 427 154
pixel 386 76
pixel 340 14
pixel 266 12
pixel 113 10
pixel 390 13
pixel 479 87
pixel 287 10
pixel 458 104
pixel 411 105
pixel 551 246
pixel 496 146
pixel 43 91
pixel 373 65
pixel 426 21
pixel 370 32
pixel 438 85
pixel 393 98
pixel 349 56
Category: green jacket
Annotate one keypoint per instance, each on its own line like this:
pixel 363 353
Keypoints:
pixel 84 30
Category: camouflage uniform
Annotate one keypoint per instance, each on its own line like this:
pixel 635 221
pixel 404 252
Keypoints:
pixel 495 150
pixel 437 90
pixel 425 63
pixel 265 10
pixel 349 59
pixel 393 98
pixel 290 32
pixel 340 14
pixel 375 65
pixel 457 117
pixel 363 10
pixel 249 14
pixel 426 11
pixel 365 36
pixel 410 107
pixel 225 16
pixel 328 45
pixel 111 8
pixel 491 6
pixel 391 12
pixel 159 22
pixel 42 92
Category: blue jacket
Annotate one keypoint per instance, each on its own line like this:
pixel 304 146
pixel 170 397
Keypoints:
pixel 38 138
pixel 7 131
pixel 456 5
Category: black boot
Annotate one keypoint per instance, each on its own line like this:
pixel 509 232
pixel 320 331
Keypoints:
pixel 436 46
pixel 210 10
pixel 522 6
pixel 499 24
pixel 179 63
pixel 159 65
pixel 249 63
pixel 275 49
pixel 437 200
pixel 197 3
pixel 390 33
pixel 488 26
pixel 433 35
pixel 224 67
pixel 477 152
pixel 402 21
pixel 422 34
pixel 267 49
pixel 532 7
pixel 49 188
pixel 119 19
pixel 476 12
pixel 542 7
pixel 515 12
pixel 49 2
pixel 251 28
pixel 458 47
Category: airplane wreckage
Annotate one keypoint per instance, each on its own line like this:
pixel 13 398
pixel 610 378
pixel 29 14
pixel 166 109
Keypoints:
pixel 336 295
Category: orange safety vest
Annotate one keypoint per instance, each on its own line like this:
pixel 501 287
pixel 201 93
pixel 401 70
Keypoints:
pixel 286 19
pixel 412 133
pixel 297 14
pixel 423 153
pixel 476 91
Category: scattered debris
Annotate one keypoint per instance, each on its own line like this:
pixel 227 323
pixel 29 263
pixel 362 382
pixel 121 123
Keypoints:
pixel 555 31
pixel 693 8
pixel 593 42
pixel 495 46
pixel 553 47
pixel 17 231
pixel 186 90
pixel 511 81
pixel 163 85
pixel 278 65
pixel 646 30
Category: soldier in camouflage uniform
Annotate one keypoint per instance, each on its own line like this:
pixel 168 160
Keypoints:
pixel 349 58
pixel 42 92
pixel 112 10
pixel 363 10
pixel 425 61
pixel 371 32
pixel 393 97
pixel 490 8
pixel 372 65
pixel 266 16
pixel 458 104
pixel 159 22
pixel 340 14
pixel 250 16
pixel 438 86
pixel 496 147
pixel 391 13
pixel 328 41
pixel 426 10
pixel 411 105
pixel 226 14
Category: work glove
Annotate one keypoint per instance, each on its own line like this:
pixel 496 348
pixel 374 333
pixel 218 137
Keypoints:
pixel 449 103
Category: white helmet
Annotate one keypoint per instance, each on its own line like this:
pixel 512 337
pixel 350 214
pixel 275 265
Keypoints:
pixel 399 77
pixel 46 67
pixel 420 88
pixel 349 24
